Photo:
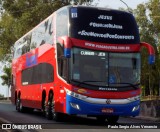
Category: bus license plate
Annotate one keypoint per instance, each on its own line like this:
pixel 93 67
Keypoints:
pixel 107 110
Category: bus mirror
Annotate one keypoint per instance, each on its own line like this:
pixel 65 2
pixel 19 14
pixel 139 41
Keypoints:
pixel 67 52
pixel 151 51
pixel 151 59
pixel 66 42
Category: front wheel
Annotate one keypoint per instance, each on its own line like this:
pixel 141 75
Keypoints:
pixel 101 119
pixel 112 119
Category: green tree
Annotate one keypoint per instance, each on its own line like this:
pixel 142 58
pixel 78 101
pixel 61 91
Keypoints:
pixel 1 96
pixel 148 18
pixel 20 16
pixel 6 77
pixel 7 36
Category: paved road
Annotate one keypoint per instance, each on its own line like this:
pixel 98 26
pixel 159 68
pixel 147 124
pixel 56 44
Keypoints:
pixel 9 114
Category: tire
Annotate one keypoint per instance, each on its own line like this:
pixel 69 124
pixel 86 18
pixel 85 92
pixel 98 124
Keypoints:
pixel 56 115
pixel 29 110
pixel 101 119
pixel 19 106
pixel 49 108
pixel 112 119
pixel 44 106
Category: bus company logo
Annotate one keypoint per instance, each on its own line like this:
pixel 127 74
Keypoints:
pixel 82 91
pixel 108 101
pixel 108 89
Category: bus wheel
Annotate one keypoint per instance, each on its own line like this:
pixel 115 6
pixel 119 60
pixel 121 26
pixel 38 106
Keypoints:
pixel 48 107
pixel 101 119
pixel 112 119
pixel 56 115
pixel 44 104
pixel 19 106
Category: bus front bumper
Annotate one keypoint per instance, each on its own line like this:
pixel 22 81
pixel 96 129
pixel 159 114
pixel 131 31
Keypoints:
pixel 81 107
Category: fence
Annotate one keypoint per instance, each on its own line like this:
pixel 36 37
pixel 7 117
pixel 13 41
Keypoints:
pixel 150 97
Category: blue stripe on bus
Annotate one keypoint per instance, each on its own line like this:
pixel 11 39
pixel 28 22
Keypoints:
pixel 95 109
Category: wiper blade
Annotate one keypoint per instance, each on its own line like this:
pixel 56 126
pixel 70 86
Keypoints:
pixel 130 84
pixel 84 82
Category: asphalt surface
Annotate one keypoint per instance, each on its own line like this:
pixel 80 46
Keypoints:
pixel 8 114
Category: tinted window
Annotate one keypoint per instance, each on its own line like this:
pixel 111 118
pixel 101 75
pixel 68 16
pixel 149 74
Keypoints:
pixel 106 26
pixel 22 46
pixel 42 73
pixel 42 34
pixel 59 58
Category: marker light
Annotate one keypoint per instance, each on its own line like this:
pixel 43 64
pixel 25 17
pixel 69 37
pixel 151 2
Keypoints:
pixel 135 108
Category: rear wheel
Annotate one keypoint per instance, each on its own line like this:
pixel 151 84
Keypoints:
pixel 19 106
pixel 30 110
pixel 56 115
pixel 49 107
pixel 44 106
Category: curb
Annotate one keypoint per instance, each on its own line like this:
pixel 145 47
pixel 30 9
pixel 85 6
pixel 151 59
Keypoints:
pixel 2 120
pixel 5 101
pixel 147 118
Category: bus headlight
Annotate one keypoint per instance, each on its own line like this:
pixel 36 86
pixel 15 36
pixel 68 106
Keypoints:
pixel 134 98
pixel 76 95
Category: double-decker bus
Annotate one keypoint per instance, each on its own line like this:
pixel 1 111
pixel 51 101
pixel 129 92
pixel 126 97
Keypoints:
pixel 80 61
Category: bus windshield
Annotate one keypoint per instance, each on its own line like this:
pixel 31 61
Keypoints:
pixel 105 69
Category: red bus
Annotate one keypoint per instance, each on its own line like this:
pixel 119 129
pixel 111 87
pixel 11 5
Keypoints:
pixel 80 61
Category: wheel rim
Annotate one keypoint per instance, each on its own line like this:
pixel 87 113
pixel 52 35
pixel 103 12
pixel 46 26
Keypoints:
pixel 18 104
pixel 44 106
pixel 53 108
pixel 49 107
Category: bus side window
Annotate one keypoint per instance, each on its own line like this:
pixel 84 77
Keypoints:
pixel 62 61
pixel 39 74
pixel 47 73
pixel 59 58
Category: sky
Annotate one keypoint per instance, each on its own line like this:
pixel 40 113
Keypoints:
pixel 114 4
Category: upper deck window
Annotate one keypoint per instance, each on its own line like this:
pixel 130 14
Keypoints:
pixel 106 26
